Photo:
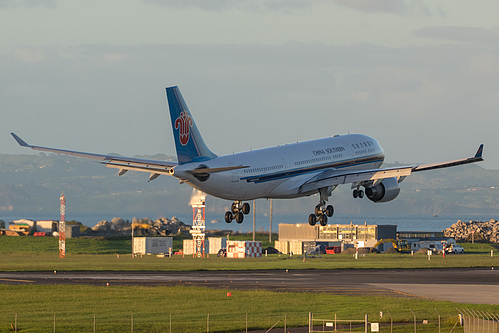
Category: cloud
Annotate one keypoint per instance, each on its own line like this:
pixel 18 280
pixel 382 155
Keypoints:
pixel 388 6
pixel 244 5
pixel 484 65
pixel 473 35
pixel 28 3
pixel 236 92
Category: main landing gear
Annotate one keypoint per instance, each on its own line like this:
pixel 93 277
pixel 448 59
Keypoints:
pixel 237 212
pixel 357 193
pixel 322 212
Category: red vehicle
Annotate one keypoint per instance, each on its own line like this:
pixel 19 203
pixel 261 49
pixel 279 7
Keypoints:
pixel 333 249
pixel 39 234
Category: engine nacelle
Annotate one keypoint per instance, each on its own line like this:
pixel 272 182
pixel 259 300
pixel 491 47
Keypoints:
pixel 385 191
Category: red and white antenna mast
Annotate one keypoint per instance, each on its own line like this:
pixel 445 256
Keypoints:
pixel 62 228
pixel 198 226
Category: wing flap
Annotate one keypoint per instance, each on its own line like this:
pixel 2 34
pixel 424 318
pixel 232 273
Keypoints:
pixel 335 177
pixel 135 167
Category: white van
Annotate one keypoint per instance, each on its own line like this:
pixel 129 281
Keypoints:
pixel 454 248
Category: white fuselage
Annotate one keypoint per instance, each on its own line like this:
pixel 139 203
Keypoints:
pixel 276 172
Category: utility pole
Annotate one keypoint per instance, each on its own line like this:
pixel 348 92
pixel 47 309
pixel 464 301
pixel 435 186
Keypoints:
pixel 270 222
pixel 133 241
pixel 254 217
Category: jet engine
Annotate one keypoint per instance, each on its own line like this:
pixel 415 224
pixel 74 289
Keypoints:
pixel 385 191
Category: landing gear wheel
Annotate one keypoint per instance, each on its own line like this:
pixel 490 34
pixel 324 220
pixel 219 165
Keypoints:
pixel 318 210
pixel 228 217
pixel 358 194
pixel 234 209
pixel 239 217
pixel 329 211
pixel 246 208
pixel 323 220
pixel 312 219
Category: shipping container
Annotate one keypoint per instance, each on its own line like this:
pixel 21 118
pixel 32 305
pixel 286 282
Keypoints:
pixel 216 244
pixel 296 247
pixel 152 245
pixel 189 247
pixel 72 231
pixel 314 246
pixel 282 246
pixel 244 249
pixel 47 226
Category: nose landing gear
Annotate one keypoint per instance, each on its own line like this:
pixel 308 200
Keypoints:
pixel 237 212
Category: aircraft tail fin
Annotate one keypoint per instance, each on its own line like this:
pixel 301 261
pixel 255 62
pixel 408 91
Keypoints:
pixel 188 141
pixel 479 152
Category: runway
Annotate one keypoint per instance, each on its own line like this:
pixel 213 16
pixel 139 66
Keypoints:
pixel 477 286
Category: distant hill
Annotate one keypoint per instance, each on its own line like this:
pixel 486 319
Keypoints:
pixel 32 184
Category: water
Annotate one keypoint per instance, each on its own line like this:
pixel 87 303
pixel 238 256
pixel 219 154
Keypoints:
pixel 404 223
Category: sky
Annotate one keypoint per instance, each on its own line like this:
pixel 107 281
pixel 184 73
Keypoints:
pixel 422 77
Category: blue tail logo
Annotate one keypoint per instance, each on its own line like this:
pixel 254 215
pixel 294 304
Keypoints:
pixel 188 141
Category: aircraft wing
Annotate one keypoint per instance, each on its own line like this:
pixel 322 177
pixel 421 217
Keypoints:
pixel 361 177
pixel 123 164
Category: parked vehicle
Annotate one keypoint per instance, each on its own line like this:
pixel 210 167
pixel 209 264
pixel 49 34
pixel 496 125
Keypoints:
pixel 454 248
pixel 333 249
pixel 222 253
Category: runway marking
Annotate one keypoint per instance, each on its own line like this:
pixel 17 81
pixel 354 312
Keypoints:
pixel 17 280
pixel 407 294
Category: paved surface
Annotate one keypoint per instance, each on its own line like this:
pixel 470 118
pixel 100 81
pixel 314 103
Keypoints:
pixel 479 286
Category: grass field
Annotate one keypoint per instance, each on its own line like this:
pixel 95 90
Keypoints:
pixel 95 245
pixel 85 262
pixel 74 306
pixel 41 254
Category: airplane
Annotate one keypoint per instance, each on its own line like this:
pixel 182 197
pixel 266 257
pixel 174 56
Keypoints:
pixel 282 172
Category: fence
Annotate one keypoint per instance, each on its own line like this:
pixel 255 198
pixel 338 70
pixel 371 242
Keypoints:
pixel 469 321
pixel 332 325
pixel 475 321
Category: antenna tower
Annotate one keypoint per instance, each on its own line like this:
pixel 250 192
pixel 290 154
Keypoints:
pixel 62 228
pixel 198 228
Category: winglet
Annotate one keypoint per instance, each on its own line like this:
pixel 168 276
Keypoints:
pixel 20 141
pixel 479 151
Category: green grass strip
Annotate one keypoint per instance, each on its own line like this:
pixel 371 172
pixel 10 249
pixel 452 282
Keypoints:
pixel 74 308
pixel 122 262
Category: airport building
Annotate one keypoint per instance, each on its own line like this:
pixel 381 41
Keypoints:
pixel 300 238
pixel 304 238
